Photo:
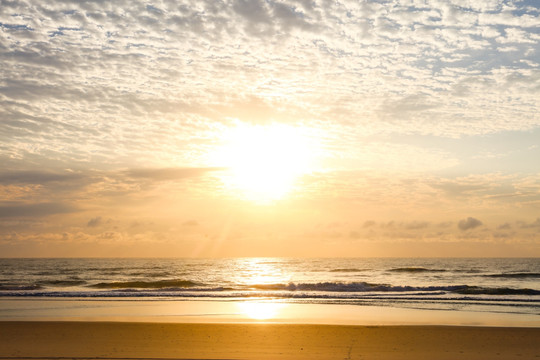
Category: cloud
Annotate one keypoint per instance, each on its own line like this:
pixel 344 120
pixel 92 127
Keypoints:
pixel 469 223
pixel 255 11
pixel 505 226
pixel 410 103
pixel 37 177
pixel 534 224
pixel 95 222
pixel 34 210
pixel 165 174
pixel 417 225
pixel 368 224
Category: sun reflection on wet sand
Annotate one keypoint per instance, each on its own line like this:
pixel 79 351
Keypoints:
pixel 257 310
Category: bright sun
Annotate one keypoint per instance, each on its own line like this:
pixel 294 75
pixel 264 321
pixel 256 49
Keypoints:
pixel 265 161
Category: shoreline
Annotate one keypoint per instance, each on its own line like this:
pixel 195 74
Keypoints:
pixel 249 311
pixel 134 340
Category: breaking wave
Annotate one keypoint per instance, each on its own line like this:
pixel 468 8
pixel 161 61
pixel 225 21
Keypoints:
pixel 19 287
pixel 415 270
pixel 62 282
pixel 162 284
pixel 348 270
pixel 514 275
pixel 368 287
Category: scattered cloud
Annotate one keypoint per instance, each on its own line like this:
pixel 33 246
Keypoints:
pixel 95 222
pixel 190 223
pixel 172 66
pixel 16 209
pixel 37 177
pixel 534 224
pixel 368 224
pixel 417 225
pixel 469 223
pixel 169 173
pixel 505 226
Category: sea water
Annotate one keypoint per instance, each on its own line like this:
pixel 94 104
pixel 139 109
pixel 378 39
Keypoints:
pixel 507 285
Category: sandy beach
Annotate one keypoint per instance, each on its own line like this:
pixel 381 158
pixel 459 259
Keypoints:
pixel 129 340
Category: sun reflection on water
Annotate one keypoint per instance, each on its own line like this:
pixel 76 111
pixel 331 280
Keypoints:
pixel 260 271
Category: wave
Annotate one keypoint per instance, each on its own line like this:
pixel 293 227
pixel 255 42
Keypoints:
pixel 349 270
pixel 476 290
pixel 320 297
pixel 105 268
pixel 514 275
pixel 151 274
pixel 467 271
pixel 415 269
pixel 369 287
pixel 324 286
pixel 146 284
pixel 62 282
pixel 20 287
pixel 307 290
pixel 56 272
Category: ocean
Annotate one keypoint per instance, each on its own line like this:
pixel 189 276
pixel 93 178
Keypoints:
pixel 507 285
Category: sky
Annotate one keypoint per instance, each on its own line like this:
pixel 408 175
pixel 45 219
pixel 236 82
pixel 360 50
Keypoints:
pixel 219 128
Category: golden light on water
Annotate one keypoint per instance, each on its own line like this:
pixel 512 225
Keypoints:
pixel 265 161
pixel 260 272
pixel 260 310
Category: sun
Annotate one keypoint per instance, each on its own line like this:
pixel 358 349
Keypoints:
pixel 264 162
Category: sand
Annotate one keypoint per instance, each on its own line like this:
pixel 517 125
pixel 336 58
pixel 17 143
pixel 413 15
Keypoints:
pixel 129 340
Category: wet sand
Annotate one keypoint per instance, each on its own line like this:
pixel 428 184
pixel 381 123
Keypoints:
pixel 130 340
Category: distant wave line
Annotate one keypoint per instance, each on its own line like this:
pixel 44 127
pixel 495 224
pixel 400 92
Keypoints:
pixel 179 286
pixel 416 269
